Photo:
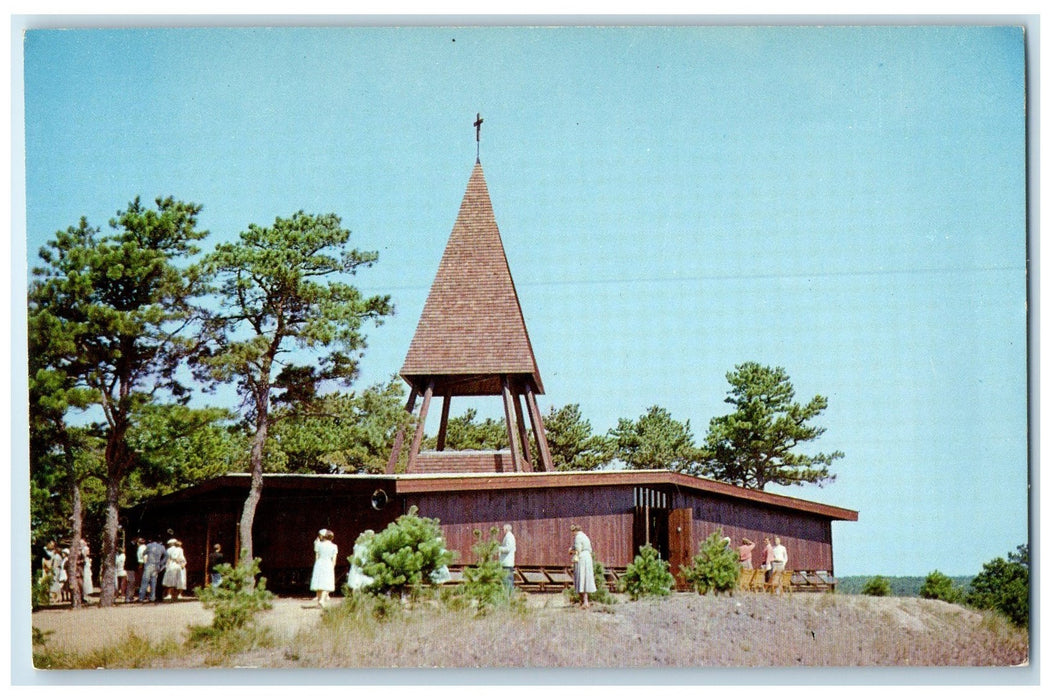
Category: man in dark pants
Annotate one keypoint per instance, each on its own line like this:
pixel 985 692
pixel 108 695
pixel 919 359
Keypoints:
pixel 155 558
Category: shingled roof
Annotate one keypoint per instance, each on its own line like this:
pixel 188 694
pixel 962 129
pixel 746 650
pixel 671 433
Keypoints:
pixel 471 330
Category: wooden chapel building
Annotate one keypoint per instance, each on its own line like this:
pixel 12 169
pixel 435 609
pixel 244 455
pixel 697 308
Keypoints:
pixel 472 341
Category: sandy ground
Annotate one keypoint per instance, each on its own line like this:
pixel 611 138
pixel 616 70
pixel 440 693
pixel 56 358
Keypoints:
pixel 92 627
pixel 683 631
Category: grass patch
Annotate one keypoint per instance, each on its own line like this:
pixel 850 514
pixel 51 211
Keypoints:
pixel 221 647
pixel 132 651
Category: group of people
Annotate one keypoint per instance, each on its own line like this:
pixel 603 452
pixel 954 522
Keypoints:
pixel 159 566
pixel 775 558
pixel 323 575
pixel 59 572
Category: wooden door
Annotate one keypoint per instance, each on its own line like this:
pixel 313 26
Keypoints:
pixel 680 543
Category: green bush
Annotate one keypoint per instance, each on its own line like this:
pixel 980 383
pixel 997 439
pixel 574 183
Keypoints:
pixel 938 586
pixel 715 568
pixel 402 558
pixel 483 583
pixel 1004 585
pixel 236 599
pixel 647 575
pixel 877 586
pixel 41 590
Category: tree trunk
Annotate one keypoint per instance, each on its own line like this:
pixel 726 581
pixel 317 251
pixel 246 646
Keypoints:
pixel 74 546
pixel 107 575
pixel 117 459
pixel 255 460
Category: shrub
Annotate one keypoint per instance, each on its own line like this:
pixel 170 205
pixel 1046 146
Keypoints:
pixel 236 599
pixel 405 554
pixel 483 583
pixel 1004 585
pixel 41 593
pixel 938 586
pixel 715 568
pixel 647 575
pixel 877 586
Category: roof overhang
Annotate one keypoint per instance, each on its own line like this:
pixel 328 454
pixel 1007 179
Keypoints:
pixel 406 484
pixel 429 483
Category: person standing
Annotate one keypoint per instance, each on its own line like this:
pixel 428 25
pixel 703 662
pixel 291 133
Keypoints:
pixel 507 558
pixel 214 561
pixel 130 579
pixel 356 577
pixel 779 560
pixel 89 585
pixel 744 553
pixel 66 576
pixel 140 562
pixel 121 579
pixel 154 558
pixel 768 559
pixel 175 571
pixel 323 578
pixel 583 566
pixel 50 565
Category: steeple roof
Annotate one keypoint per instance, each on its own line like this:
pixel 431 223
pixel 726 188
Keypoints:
pixel 471 330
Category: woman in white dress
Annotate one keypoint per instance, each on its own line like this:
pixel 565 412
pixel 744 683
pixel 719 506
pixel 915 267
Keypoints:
pixel 175 571
pixel 89 586
pixel 323 579
pixel 583 567
pixel 356 579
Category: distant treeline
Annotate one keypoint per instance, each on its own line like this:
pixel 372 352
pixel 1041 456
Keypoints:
pixel 905 586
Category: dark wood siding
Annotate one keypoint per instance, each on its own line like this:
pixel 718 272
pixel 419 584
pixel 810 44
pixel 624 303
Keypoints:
pixel 807 537
pixel 541 519
pixel 294 508
pixel 287 521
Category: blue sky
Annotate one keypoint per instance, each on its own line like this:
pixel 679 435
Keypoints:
pixel 845 202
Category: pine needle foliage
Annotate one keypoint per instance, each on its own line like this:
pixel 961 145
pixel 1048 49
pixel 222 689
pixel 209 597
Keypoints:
pixel 715 568
pixel 403 556
pixel 877 586
pixel 483 583
pixel 1003 585
pixel 938 586
pixel 236 600
pixel 647 575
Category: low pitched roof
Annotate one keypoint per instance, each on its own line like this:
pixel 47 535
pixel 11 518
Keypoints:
pixel 402 484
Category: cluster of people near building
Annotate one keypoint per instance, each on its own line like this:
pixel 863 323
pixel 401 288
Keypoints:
pixel 164 567
pixel 159 572
pixel 775 558
pixel 323 576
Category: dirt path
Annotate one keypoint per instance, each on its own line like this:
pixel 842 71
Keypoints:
pixel 93 627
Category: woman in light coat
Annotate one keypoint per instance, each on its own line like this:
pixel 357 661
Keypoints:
pixel 357 579
pixel 583 566
pixel 175 572
pixel 323 578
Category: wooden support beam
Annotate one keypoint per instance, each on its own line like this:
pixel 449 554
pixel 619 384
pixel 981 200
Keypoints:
pixel 546 463
pixel 417 437
pixel 446 400
pixel 522 433
pixel 510 423
pixel 400 437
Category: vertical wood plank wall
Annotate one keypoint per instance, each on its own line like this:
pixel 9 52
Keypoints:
pixel 287 521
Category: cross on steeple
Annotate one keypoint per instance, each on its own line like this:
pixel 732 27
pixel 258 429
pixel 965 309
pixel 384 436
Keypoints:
pixel 478 137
